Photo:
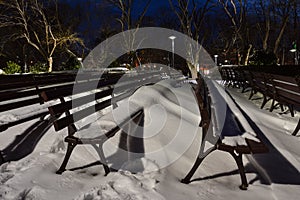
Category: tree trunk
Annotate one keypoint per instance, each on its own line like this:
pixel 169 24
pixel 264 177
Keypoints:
pixel 248 54
pixel 277 42
pixel 283 57
pixel 50 63
pixel 266 38
pixel 193 70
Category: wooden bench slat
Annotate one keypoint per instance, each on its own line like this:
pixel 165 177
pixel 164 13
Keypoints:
pixel 62 91
pixel 67 120
pixel 285 96
pixel 286 85
pixel 64 106
pixel 256 147
pixel 5 96
pixel 19 104
pixel 288 79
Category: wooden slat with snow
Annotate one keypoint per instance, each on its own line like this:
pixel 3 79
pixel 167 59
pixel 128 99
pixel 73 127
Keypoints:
pixel 224 128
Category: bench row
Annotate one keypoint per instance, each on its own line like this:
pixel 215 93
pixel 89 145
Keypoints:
pixel 280 90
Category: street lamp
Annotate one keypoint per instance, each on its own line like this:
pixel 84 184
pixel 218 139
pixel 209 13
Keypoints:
pixel 80 61
pixel 216 59
pixel 296 55
pixel 172 37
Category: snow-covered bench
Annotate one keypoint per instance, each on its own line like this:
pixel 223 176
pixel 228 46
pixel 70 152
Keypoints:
pixel 83 103
pixel 224 128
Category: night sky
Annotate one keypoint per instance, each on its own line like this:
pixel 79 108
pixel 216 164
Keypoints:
pixel 154 6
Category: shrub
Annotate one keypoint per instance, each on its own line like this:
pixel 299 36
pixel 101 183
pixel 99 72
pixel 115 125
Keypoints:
pixel 12 68
pixel 38 68
pixel 71 64
pixel 263 58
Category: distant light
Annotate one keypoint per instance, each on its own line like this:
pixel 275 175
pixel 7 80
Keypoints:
pixel 172 37
pixel 216 56
pixel 293 50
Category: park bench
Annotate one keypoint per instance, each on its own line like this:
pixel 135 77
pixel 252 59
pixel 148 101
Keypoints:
pixel 262 82
pixel 228 76
pixel 287 92
pixel 233 76
pixel 228 134
pixel 20 91
pixel 83 100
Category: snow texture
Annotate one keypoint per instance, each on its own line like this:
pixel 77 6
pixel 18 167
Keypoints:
pixel 271 176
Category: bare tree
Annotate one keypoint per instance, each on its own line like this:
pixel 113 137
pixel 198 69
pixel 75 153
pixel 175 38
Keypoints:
pixel 236 12
pixel 31 23
pixel 126 19
pixel 166 18
pixel 128 22
pixel 273 20
pixel 263 10
pixel 191 16
pixel 283 8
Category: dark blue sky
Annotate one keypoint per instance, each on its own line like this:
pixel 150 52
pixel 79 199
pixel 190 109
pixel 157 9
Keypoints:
pixel 152 8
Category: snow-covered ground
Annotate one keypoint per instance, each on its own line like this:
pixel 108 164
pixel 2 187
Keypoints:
pixel 171 143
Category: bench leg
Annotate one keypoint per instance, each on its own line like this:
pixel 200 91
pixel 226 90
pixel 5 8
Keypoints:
pixel 199 160
pixel 291 108
pixel 1 158
pixel 251 94
pixel 296 129
pixel 70 148
pixel 272 105
pixel 239 161
pixel 188 177
pixel 281 107
pixel 102 157
pixel 264 102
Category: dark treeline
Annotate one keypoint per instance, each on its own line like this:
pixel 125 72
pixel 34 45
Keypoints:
pixel 55 32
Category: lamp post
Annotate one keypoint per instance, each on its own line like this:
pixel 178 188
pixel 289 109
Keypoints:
pixel 25 64
pixel 296 55
pixel 80 61
pixel 172 37
pixel 216 59
pixel 294 50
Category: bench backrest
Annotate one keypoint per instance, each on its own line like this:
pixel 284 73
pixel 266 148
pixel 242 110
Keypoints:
pixel 211 131
pixel 84 100
pixel 287 89
pixel 20 91
pixel 263 82
pixel 221 118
